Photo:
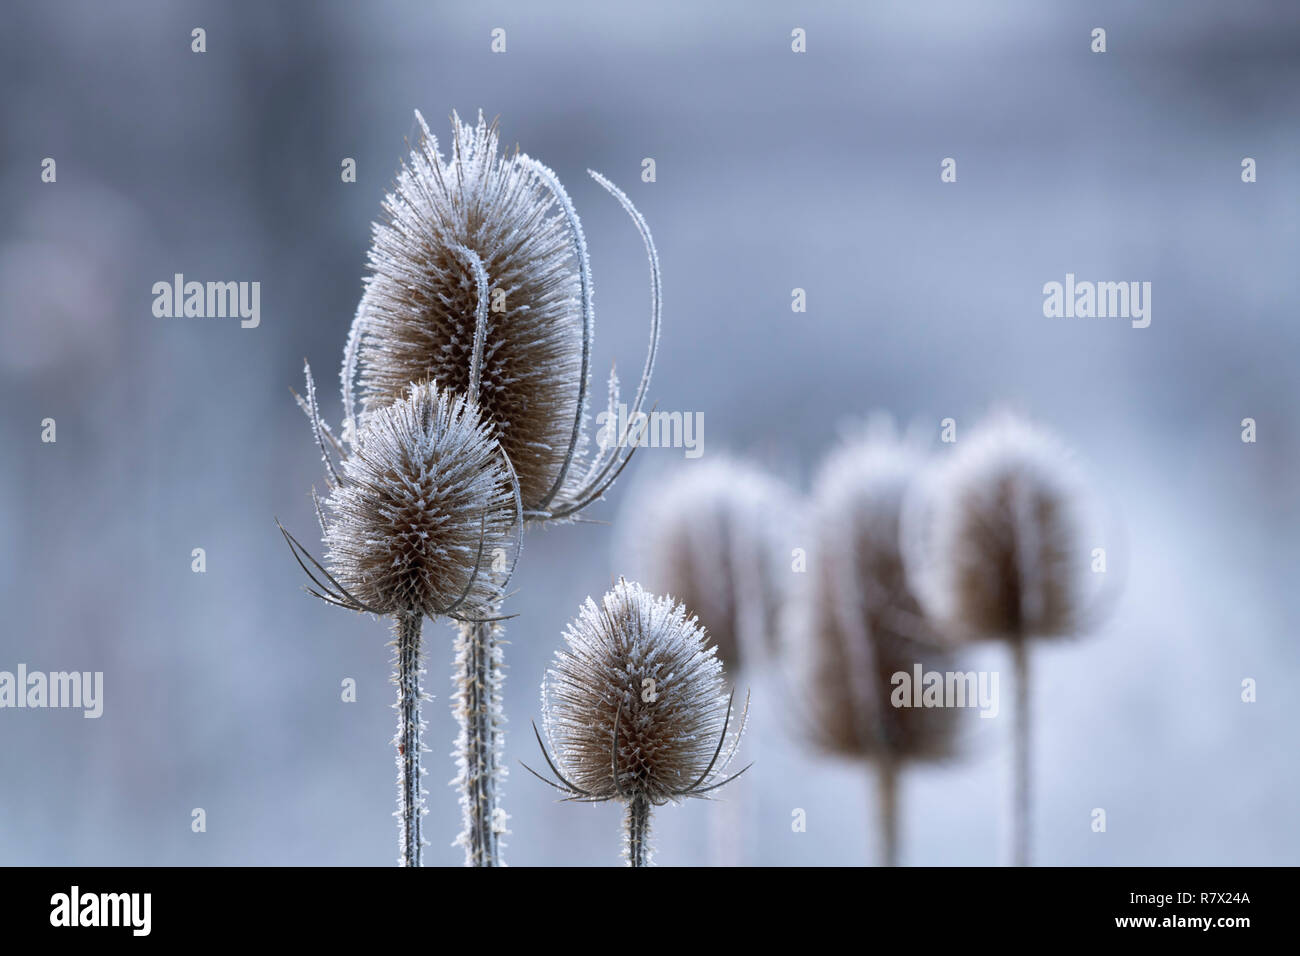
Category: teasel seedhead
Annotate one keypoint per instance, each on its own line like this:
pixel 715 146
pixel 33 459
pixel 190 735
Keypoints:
pixel 994 541
pixel 714 535
pixel 856 623
pixel 634 706
pixel 480 280
pixel 418 513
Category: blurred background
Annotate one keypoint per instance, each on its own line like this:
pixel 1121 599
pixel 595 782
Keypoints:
pixel 774 171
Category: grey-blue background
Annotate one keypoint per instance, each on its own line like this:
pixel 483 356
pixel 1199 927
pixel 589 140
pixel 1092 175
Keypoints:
pixel 775 171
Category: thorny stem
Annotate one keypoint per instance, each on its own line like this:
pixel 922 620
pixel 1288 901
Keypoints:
pixel 1020 791
pixel 887 785
pixel 479 745
pixel 410 796
pixel 636 826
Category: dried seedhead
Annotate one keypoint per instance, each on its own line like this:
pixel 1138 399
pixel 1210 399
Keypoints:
pixel 711 536
pixel 634 707
pixel 418 513
pixel 480 281
pixel 857 622
pixel 995 544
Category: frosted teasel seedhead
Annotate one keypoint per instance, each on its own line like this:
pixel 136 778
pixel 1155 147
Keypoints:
pixel 480 267
pixel 855 622
pixel 634 707
pixel 994 541
pixel 418 513
pixel 714 536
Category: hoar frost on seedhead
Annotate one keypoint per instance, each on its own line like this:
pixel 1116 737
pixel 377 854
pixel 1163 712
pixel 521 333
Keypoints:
pixel 481 264
pixel 424 503
pixel 635 703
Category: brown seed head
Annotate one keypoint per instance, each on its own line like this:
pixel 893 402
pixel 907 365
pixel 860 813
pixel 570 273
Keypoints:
pixel 857 624
pixel 634 705
pixel 997 543
pixel 424 507
pixel 423 295
pixel 711 536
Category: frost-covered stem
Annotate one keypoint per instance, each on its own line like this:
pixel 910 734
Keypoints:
pixel 479 745
pixel 1020 790
pixel 409 739
pixel 887 787
pixel 636 827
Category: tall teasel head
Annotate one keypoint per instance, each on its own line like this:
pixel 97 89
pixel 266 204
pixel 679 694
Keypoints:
pixel 418 513
pixel 857 623
pixel 995 545
pixel 635 709
pixel 480 280
pixel 995 539
pixel 713 536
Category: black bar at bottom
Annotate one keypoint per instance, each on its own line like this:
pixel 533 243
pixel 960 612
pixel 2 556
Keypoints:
pixel 330 905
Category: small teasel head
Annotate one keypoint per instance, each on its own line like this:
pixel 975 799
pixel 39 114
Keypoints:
pixel 855 623
pixel 422 509
pixel 995 541
pixel 634 706
pixel 714 536
pixel 479 280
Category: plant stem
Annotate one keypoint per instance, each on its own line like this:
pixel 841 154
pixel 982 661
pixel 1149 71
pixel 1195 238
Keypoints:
pixel 410 795
pixel 887 786
pixel 636 826
pixel 477 706
pixel 727 826
pixel 1020 792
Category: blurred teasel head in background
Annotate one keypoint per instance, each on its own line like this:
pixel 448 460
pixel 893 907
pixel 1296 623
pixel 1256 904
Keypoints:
pixel 855 622
pixel 715 536
pixel 995 537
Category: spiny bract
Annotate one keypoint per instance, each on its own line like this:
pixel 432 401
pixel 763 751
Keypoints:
pixel 710 536
pixel 443 220
pixel 858 623
pixel 634 706
pixel 424 507
pixel 998 551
